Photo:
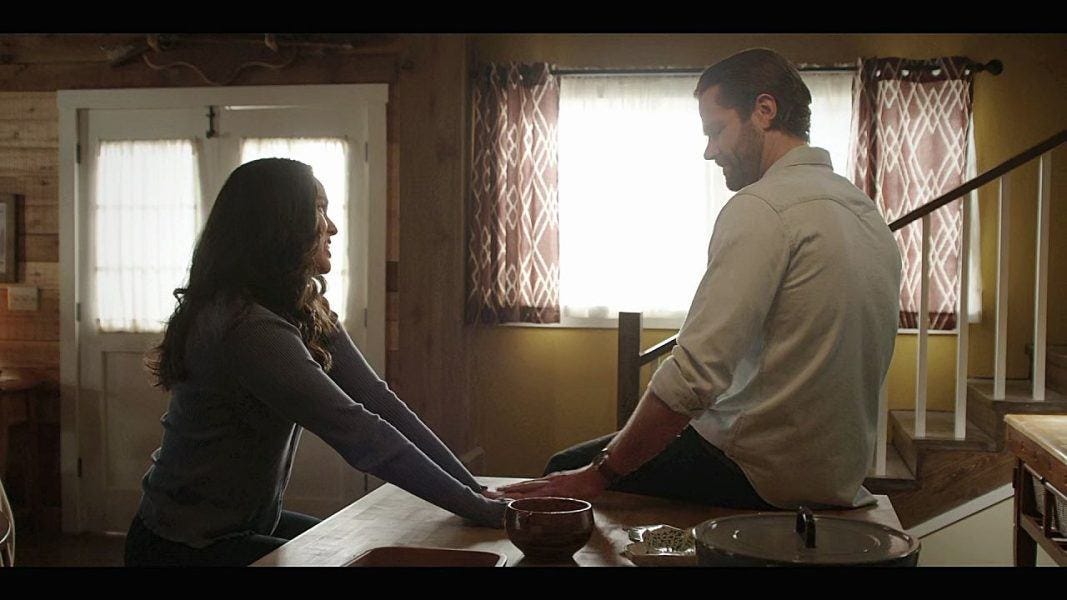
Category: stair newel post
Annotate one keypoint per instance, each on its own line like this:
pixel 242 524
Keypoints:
pixel 1000 353
pixel 962 323
pixel 924 326
pixel 1041 276
pixel 629 375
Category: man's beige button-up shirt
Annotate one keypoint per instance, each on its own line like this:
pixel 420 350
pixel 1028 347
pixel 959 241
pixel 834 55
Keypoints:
pixel 790 334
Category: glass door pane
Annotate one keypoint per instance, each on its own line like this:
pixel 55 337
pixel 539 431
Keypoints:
pixel 328 158
pixel 144 215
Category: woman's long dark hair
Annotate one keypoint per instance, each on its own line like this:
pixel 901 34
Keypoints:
pixel 258 245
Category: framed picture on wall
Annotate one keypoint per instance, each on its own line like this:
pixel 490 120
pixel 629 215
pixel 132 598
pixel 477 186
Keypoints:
pixel 8 238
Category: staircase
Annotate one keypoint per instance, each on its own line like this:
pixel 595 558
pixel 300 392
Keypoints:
pixel 961 455
pixel 927 476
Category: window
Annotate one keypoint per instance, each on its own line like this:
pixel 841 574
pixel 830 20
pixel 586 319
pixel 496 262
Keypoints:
pixel 637 200
pixel 144 213
pixel 328 159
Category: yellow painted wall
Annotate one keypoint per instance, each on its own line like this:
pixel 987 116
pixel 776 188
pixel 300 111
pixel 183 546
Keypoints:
pixel 541 389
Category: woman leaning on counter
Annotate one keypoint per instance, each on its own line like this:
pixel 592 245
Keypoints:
pixel 253 355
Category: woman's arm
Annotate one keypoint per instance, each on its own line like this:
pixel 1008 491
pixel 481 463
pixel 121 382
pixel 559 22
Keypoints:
pixel 354 375
pixel 270 362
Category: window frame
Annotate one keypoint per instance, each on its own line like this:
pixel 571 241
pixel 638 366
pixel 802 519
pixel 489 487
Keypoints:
pixel 573 322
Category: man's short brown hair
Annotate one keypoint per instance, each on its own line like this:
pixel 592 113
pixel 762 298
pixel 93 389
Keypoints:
pixel 744 76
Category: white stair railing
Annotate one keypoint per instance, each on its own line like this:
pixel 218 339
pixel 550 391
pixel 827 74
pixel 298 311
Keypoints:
pixel 968 194
pixel 1041 276
pixel 924 331
pixel 962 318
pixel 1000 344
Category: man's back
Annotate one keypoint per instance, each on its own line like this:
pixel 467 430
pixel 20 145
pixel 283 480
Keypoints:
pixel 792 331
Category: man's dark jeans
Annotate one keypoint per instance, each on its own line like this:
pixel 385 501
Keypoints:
pixel 689 469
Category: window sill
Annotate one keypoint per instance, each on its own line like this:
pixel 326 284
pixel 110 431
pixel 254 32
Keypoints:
pixel 599 323
pixel 660 323
pixel 930 332
pixel 573 323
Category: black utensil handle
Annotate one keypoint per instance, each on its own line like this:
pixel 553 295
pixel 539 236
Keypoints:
pixel 806 526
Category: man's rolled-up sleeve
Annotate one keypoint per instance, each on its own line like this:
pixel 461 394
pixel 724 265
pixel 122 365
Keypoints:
pixel 747 260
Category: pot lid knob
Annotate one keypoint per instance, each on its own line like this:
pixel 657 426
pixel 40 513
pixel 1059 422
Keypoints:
pixel 806 526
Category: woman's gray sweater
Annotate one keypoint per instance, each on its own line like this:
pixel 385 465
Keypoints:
pixel 232 428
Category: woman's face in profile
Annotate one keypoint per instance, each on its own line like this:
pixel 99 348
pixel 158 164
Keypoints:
pixel 325 229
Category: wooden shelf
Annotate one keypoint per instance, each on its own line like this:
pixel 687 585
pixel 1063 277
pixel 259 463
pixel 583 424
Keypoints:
pixel 1056 549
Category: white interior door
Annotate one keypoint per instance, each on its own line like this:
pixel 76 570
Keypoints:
pixel 141 174
pixel 146 181
pixel 334 144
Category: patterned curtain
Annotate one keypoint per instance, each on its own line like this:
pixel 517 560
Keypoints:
pixel 910 128
pixel 513 210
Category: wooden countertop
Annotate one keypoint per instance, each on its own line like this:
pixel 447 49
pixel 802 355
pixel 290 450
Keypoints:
pixel 390 516
pixel 1047 431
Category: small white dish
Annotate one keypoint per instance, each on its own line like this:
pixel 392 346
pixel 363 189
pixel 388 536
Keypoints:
pixel 661 546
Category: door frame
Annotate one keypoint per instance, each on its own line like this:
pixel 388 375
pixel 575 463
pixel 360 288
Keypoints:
pixel 371 97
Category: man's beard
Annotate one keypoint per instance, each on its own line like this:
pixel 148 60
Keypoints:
pixel 745 170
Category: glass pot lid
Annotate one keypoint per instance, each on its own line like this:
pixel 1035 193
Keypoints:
pixel 803 538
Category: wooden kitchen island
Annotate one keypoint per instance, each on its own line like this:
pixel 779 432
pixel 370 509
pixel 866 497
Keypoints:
pixel 390 516
pixel 1039 443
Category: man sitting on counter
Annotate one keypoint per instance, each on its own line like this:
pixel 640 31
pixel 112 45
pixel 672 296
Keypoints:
pixel 770 397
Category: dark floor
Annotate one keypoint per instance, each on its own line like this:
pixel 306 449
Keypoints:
pixel 69 550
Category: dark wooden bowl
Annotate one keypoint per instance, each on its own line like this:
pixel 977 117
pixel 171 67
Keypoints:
pixel 549 529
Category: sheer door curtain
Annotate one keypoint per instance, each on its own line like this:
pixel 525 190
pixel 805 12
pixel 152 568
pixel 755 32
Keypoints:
pixel 144 216
pixel 146 219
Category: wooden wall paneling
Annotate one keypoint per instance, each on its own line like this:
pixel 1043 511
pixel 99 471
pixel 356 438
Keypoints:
pixel 392 307
pixel 63 47
pixel 38 248
pixel 38 219
pixel 392 207
pixel 48 303
pixel 40 274
pixel 27 133
pixel 29 354
pixel 434 365
pixel 23 106
pixel 36 190
pixel 29 327
pixel 39 325
pixel 33 162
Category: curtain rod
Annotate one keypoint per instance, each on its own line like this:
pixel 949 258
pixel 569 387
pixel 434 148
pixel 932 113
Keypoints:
pixel 672 71
pixel 994 66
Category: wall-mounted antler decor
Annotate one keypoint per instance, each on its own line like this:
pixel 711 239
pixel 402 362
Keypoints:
pixel 219 59
pixel 214 67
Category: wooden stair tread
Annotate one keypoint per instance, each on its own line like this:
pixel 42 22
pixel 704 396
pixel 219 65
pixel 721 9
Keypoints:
pixel 949 472
pixel 897 475
pixel 1018 395
pixel 940 432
